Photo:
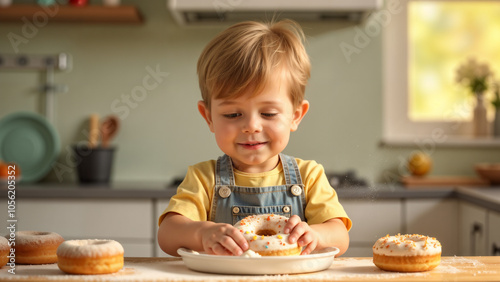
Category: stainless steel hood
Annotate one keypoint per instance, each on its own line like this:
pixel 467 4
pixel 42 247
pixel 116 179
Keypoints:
pixel 208 12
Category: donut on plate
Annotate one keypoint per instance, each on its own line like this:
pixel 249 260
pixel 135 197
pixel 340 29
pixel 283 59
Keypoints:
pixel 407 253
pixel 265 236
pixel 37 247
pixel 90 256
pixel 4 251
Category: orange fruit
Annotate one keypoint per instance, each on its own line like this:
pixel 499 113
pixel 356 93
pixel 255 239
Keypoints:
pixel 4 169
pixel 419 164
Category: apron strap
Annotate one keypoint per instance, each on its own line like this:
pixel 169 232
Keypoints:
pixel 224 171
pixel 291 170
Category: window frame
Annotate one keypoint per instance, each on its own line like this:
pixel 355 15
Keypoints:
pixel 398 129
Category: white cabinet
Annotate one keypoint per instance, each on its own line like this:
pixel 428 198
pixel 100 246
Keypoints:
pixel 160 206
pixel 493 246
pixel 436 218
pixel 126 221
pixel 472 230
pixel 371 220
pixel 374 219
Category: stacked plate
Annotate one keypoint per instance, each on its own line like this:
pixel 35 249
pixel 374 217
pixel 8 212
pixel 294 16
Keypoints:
pixel 31 142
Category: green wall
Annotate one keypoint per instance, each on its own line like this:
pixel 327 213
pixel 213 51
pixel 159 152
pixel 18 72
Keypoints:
pixel 162 132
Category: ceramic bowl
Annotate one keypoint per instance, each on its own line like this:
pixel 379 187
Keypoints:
pixel 490 171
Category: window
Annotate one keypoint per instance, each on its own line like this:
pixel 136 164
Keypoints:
pixel 423 46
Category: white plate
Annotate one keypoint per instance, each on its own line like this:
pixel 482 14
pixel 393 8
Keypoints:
pixel 317 261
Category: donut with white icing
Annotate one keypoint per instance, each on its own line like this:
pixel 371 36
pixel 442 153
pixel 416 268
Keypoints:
pixel 407 253
pixel 36 247
pixel 90 256
pixel 4 251
pixel 264 234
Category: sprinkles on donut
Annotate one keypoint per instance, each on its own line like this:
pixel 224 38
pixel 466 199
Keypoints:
pixel 407 253
pixel 264 234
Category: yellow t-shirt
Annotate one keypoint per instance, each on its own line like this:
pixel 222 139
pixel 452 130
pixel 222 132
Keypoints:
pixel 194 195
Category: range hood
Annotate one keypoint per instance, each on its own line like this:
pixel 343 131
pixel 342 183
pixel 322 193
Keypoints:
pixel 203 12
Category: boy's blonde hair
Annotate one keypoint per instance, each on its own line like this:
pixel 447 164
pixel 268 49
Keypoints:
pixel 244 56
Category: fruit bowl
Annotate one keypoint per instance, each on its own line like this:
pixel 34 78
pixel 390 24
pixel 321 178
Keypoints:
pixel 489 171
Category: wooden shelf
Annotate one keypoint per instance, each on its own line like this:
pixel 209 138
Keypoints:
pixel 70 14
pixel 443 181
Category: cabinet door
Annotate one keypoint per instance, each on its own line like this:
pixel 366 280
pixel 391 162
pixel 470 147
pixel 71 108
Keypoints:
pixel 371 220
pixel 160 206
pixel 472 230
pixel 126 221
pixel 436 218
pixel 493 247
pixel 356 250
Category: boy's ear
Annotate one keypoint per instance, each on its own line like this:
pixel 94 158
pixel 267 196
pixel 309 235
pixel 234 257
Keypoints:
pixel 205 113
pixel 299 113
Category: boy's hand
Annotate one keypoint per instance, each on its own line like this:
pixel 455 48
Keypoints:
pixel 223 239
pixel 301 233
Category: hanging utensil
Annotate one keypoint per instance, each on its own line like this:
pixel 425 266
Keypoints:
pixel 109 128
pixel 48 64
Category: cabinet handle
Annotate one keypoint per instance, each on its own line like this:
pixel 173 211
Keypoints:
pixel 496 250
pixel 477 229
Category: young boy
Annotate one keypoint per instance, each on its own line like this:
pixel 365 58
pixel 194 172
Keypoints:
pixel 252 78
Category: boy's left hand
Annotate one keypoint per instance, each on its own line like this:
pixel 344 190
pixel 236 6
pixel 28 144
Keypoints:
pixel 301 233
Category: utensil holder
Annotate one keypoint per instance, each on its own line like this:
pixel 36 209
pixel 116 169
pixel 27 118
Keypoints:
pixel 94 165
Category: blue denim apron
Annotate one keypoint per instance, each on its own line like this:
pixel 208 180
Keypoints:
pixel 231 203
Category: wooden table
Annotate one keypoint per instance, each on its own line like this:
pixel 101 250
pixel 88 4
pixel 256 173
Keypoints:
pixel 342 269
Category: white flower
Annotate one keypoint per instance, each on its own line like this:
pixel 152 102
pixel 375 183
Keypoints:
pixel 474 75
pixel 482 70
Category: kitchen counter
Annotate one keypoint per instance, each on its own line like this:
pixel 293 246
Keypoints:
pixel 342 269
pixel 120 190
pixel 488 197
pixel 161 190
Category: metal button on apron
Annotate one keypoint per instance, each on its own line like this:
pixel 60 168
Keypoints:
pixel 296 190
pixel 224 192
pixel 286 209
pixel 236 210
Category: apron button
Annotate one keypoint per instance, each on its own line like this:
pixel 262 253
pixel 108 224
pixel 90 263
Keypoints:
pixel 236 210
pixel 296 190
pixel 224 192
pixel 286 209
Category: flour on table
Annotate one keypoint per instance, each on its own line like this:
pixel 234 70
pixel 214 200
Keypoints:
pixel 161 270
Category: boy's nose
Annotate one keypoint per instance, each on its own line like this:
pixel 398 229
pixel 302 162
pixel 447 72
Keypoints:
pixel 252 125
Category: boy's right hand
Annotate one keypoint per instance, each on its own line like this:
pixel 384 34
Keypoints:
pixel 223 239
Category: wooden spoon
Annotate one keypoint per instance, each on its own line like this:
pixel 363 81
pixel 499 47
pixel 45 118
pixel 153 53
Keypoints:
pixel 109 128
pixel 93 130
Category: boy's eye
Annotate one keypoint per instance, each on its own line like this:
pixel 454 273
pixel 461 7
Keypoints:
pixel 232 115
pixel 269 114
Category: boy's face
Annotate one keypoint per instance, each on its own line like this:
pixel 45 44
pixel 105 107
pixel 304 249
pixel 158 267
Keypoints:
pixel 254 130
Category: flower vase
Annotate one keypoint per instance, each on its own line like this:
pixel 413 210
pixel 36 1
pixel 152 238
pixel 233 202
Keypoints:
pixel 496 123
pixel 480 120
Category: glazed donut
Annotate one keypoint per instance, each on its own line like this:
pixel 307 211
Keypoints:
pixel 407 253
pixel 265 237
pixel 37 247
pixel 90 256
pixel 4 251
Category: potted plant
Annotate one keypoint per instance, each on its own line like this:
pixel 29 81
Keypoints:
pixel 476 76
